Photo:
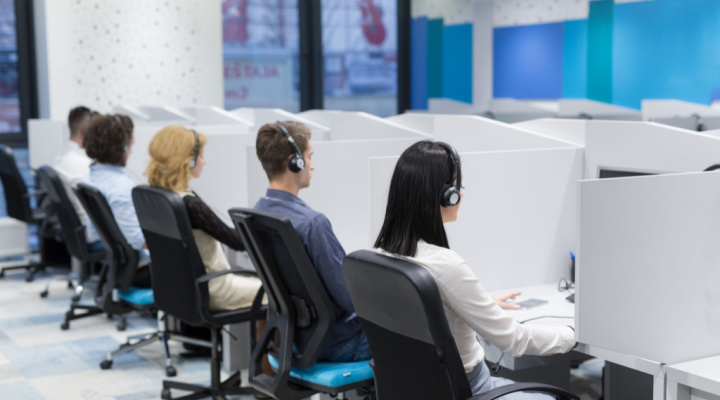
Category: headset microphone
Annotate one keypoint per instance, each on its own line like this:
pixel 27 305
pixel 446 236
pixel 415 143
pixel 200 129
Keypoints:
pixel 196 152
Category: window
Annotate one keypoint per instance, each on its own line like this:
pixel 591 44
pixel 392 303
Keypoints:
pixel 9 79
pixel 360 55
pixel 260 51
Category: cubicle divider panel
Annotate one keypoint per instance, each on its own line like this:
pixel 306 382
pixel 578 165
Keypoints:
pixel 262 116
pixel 211 115
pixel 419 121
pixel 346 125
pixel 516 223
pixel 572 108
pixel 471 133
pixel 340 184
pixel 647 266
pixel 46 140
pixel 223 184
pixel 571 130
pixel 647 146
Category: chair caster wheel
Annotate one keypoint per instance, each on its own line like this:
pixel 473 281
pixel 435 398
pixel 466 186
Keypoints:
pixel 106 364
pixel 121 326
pixel 29 278
pixel 70 285
pixel 65 326
pixel 44 294
pixel 75 299
pixel 170 371
pixel 165 394
pixel 2 274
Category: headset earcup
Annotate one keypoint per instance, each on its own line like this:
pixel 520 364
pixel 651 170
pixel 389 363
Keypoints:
pixel 450 196
pixel 296 164
pixel 192 163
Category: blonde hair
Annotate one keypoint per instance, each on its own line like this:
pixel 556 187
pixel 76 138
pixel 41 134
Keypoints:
pixel 171 150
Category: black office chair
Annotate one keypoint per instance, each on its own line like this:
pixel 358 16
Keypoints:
pixel 17 199
pixel 117 276
pixel 181 284
pixel 73 230
pixel 300 316
pixel 415 355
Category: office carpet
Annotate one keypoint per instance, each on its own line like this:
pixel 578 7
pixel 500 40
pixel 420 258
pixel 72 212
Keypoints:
pixel 40 361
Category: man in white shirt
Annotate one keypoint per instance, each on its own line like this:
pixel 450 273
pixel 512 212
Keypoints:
pixel 74 164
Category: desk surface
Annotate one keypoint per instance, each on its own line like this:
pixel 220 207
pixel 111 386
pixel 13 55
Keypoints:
pixel 703 374
pixel 559 307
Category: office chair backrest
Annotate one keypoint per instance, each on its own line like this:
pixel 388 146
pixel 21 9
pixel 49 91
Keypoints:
pixel 123 259
pixel 72 228
pixel 16 193
pixel 402 315
pixel 295 292
pixel 176 260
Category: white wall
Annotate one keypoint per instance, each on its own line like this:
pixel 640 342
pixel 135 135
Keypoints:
pixel 103 53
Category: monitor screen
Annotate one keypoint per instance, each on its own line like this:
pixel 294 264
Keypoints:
pixel 617 173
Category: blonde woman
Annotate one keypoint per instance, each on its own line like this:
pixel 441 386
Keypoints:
pixel 176 157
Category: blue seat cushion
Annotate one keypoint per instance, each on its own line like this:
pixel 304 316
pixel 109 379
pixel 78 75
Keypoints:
pixel 330 374
pixel 137 296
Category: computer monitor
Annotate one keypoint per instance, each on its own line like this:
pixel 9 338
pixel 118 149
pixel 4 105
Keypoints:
pixel 605 172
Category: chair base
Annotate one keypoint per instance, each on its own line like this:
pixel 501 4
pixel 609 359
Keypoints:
pixel 72 316
pixel 228 387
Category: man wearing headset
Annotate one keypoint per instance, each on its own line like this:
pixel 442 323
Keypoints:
pixel 285 151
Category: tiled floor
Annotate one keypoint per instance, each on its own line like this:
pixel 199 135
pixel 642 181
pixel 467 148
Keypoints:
pixel 39 361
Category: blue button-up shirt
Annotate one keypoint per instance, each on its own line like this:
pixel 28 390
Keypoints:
pixel 326 254
pixel 116 185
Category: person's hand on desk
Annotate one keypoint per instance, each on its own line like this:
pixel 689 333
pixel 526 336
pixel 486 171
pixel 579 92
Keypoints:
pixel 502 298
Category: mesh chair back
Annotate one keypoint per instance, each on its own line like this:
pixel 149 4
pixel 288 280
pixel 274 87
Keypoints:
pixel 295 292
pixel 72 228
pixel 123 259
pixel 176 260
pixel 16 193
pixel 402 315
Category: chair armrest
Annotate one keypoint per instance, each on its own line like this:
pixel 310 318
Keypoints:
pixel 36 193
pixel 523 387
pixel 207 277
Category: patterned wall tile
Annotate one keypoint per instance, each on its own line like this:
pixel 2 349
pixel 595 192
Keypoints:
pixel 136 52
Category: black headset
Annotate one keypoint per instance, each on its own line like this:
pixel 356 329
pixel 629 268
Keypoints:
pixel 196 152
pixel 296 163
pixel 117 119
pixel 451 193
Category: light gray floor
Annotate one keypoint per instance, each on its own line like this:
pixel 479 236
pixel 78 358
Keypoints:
pixel 40 361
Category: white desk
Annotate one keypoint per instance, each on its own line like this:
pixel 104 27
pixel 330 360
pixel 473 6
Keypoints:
pixel 559 307
pixel 694 380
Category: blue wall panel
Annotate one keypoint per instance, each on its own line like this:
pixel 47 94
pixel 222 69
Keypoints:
pixel 418 63
pixel 666 49
pixel 575 59
pixel 434 57
pixel 600 51
pixel 528 61
pixel 457 62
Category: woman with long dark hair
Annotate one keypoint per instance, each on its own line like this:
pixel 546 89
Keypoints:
pixel 425 192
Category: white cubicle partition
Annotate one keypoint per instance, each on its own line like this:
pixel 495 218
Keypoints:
pixel 681 114
pixel 166 113
pixel 340 184
pixel 472 133
pixel 590 109
pixel 647 146
pixel 46 140
pixel 211 115
pixel 571 130
pixel 516 223
pixel 450 106
pixel 511 111
pixel 133 112
pixel 694 380
pixel 647 266
pixel 223 184
pixel 262 116
pixel 347 125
